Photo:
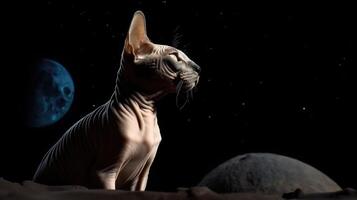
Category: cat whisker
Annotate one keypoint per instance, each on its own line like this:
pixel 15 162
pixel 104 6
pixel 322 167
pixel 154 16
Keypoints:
pixel 178 94
pixel 185 47
pixel 190 93
pixel 178 40
pixel 178 91
pixel 177 37
pixel 188 96
pixel 185 102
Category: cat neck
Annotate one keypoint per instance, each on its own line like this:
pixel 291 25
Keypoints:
pixel 124 89
pixel 132 108
pixel 125 95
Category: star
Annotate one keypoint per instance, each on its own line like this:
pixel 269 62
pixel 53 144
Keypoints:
pixel 188 120
pixel 303 108
pixel 235 115
pixel 82 13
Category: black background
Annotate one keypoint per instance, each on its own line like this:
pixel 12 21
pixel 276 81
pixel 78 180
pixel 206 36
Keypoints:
pixel 275 78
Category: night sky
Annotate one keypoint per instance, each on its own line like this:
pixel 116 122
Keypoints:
pixel 275 78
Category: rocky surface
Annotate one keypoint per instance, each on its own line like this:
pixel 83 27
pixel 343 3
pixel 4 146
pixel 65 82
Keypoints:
pixel 268 174
pixel 29 190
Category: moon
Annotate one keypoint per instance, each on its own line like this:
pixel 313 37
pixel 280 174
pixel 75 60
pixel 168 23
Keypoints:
pixel 51 94
pixel 268 174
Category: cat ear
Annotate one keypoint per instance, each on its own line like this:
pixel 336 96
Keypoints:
pixel 137 41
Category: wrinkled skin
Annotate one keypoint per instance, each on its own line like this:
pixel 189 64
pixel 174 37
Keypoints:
pixel 114 146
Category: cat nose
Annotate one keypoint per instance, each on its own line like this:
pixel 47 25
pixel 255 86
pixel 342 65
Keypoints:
pixel 196 67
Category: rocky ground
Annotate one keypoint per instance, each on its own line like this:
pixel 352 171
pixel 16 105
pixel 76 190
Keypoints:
pixel 29 190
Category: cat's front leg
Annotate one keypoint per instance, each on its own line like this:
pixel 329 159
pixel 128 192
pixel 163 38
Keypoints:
pixel 143 177
pixel 104 178
pixel 141 182
pixel 108 181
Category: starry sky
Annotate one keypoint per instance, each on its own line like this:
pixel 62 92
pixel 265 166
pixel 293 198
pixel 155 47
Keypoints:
pixel 275 78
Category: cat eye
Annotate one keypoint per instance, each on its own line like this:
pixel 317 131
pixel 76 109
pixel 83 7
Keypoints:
pixel 175 56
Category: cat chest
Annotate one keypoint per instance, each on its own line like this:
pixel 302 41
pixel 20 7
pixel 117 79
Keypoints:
pixel 139 156
pixel 141 138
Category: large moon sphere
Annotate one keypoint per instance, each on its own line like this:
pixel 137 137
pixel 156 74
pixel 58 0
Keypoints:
pixel 267 173
pixel 51 93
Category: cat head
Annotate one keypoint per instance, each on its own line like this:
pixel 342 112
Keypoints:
pixel 154 68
